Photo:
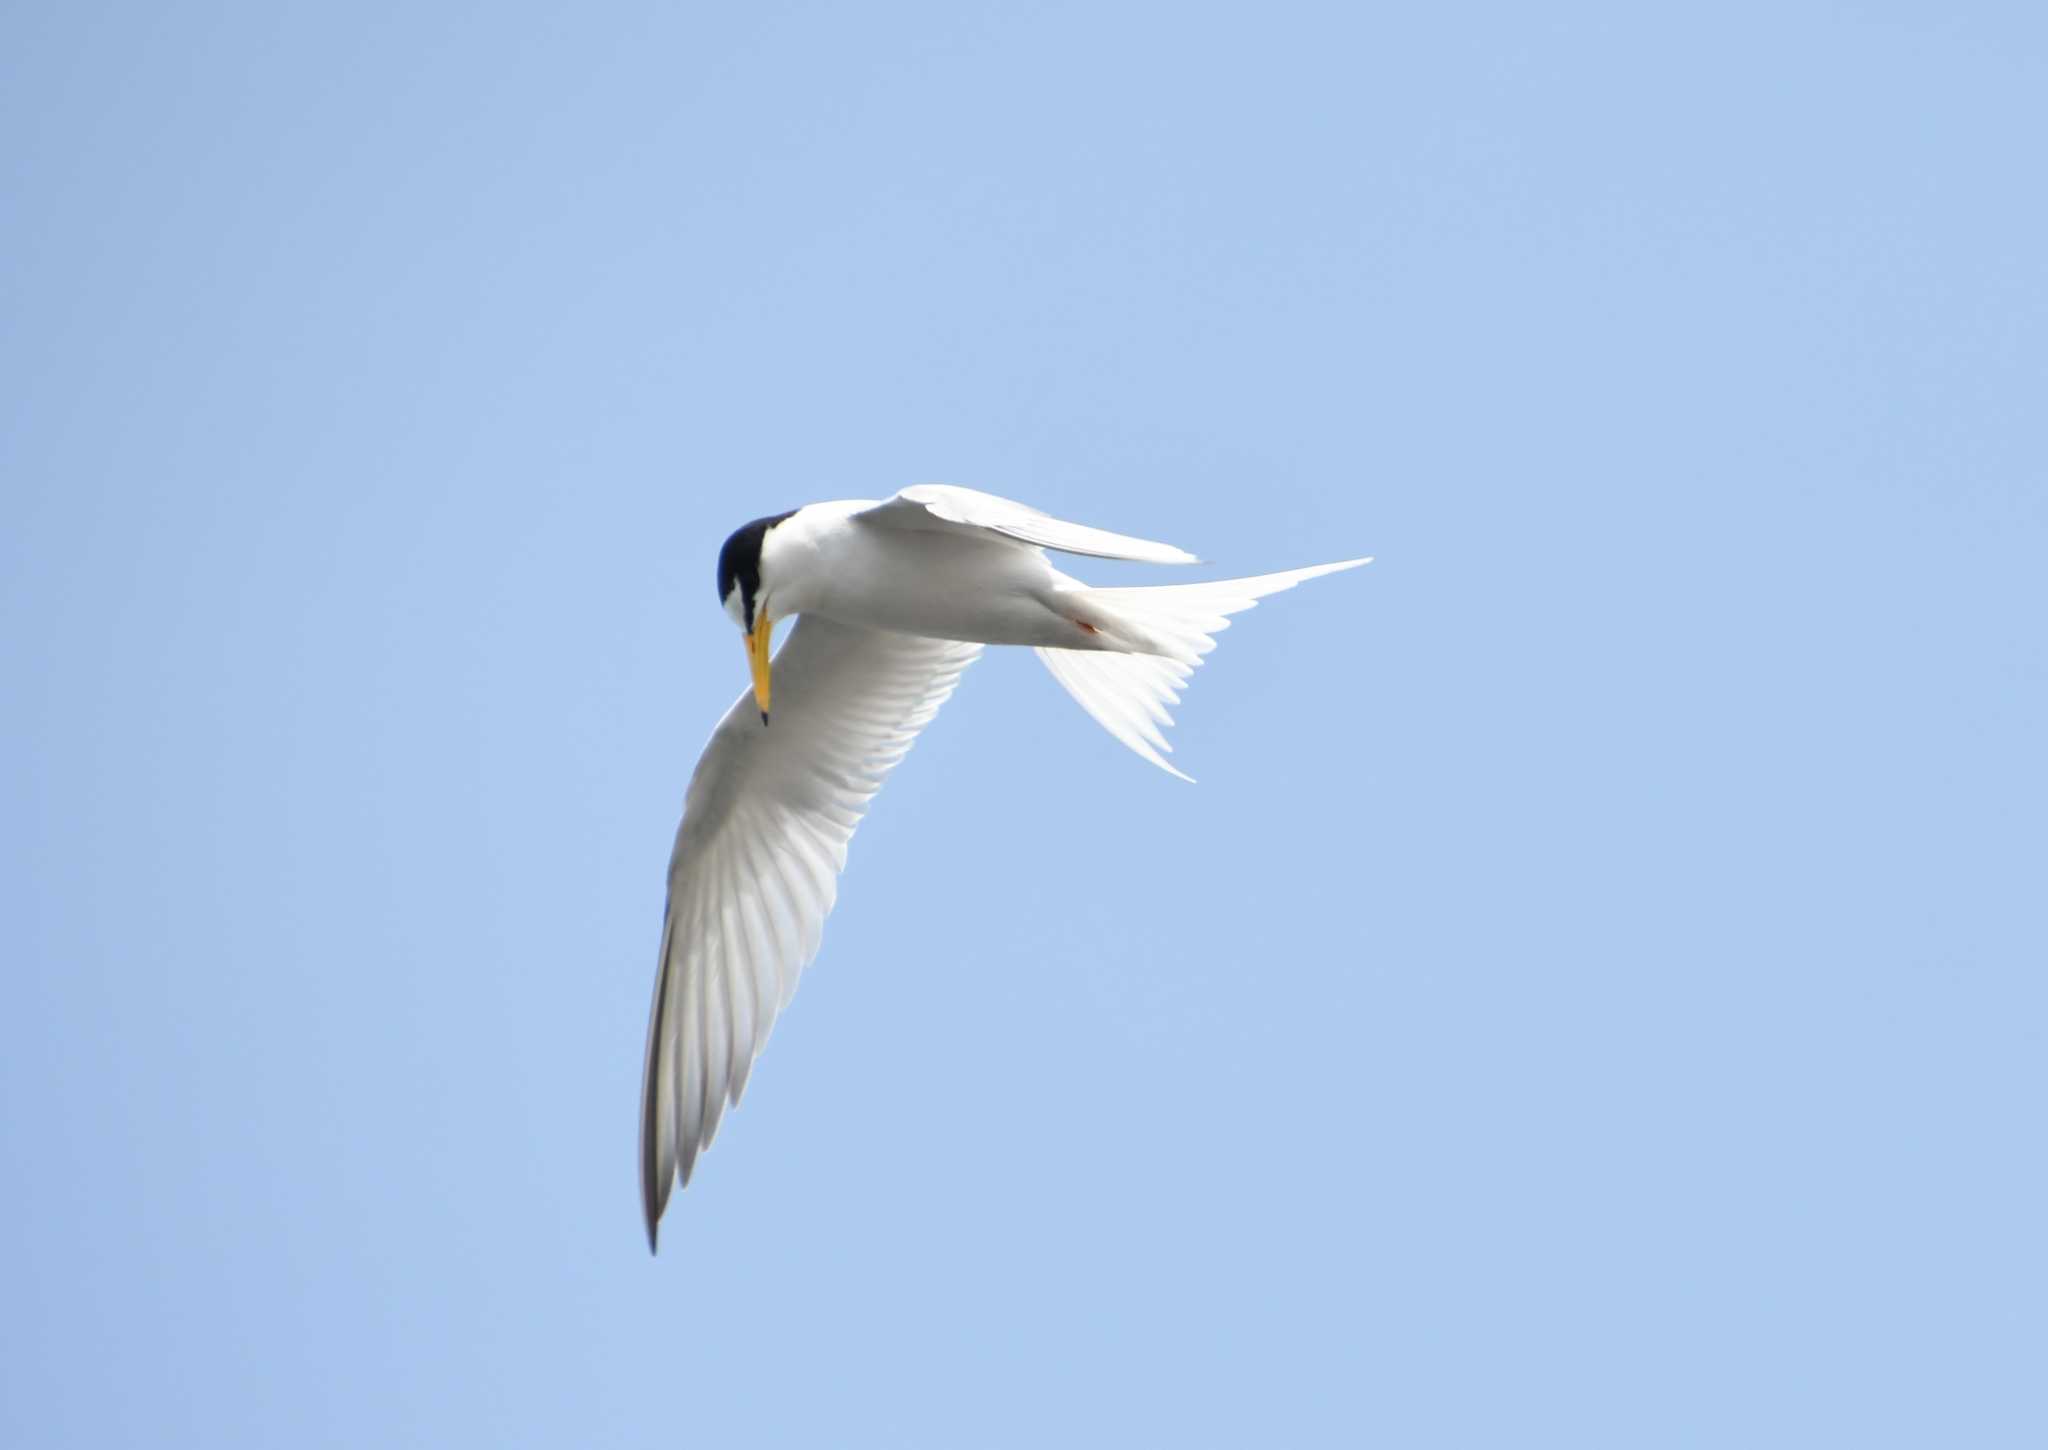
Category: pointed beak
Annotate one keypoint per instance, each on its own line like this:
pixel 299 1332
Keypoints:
pixel 757 658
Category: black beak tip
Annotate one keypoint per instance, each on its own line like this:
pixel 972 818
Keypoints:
pixel 764 717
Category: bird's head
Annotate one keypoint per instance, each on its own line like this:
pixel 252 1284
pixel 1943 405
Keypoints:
pixel 744 587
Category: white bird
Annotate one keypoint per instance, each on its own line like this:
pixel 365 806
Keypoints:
pixel 896 598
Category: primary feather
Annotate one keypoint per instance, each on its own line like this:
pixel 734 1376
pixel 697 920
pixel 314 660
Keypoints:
pixel 941 506
pixel 755 869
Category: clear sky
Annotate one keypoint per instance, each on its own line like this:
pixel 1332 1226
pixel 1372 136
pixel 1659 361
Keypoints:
pixel 1595 996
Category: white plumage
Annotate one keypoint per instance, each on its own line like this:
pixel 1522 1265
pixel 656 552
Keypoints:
pixel 896 599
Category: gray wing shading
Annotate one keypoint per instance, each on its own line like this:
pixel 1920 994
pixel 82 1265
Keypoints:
pixel 765 826
pixel 939 507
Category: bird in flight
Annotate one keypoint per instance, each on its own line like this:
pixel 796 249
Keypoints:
pixel 892 601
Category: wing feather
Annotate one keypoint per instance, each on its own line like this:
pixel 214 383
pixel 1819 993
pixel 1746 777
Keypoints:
pixel 943 508
pixel 755 869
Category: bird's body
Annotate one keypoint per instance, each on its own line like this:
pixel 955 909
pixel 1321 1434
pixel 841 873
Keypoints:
pixel 917 581
pixel 896 598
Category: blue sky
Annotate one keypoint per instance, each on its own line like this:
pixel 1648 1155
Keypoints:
pixel 1594 997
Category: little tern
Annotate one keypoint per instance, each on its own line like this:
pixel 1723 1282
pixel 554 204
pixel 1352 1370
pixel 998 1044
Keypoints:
pixel 893 599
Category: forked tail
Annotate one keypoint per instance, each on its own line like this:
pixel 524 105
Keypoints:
pixel 1168 628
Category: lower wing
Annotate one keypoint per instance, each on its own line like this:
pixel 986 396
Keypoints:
pixel 765 826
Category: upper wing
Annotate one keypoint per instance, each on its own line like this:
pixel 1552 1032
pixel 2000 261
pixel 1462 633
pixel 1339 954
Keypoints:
pixel 943 508
pixel 755 870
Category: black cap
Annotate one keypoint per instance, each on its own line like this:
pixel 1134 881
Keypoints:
pixel 740 561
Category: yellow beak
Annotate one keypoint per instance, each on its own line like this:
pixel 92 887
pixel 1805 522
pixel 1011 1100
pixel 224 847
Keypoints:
pixel 757 658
